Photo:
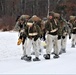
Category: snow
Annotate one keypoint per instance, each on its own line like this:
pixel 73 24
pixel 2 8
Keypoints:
pixel 10 62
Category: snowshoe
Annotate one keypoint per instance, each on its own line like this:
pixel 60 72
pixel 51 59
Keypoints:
pixel 36 59
pixel 56 56
pixel 46 56
pixel 63 51
pixel 73 46
pixel 27 58
pixel 23 57
pixel 60 52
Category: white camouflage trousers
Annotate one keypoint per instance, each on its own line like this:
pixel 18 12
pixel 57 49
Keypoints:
pixel 53 42
pixel 63 43
pixel 73 39
pixel 24 47
pixel 30 43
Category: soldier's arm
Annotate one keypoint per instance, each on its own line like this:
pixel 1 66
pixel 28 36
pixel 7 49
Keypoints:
pixel 47 26
pixel 17 28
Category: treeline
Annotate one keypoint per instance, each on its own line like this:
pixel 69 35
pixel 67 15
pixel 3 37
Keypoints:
pixel 10 9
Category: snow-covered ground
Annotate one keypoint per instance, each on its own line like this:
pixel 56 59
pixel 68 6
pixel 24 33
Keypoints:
pixel 10 62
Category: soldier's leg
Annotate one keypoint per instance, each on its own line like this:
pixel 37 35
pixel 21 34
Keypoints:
pixel 40 46
pixel 73 40
pixel 58 47
pixel 49 46
pixel 24 43
pixel 63 44
pixel 24 50
pixel 28 49
pixel 36 50
pixel 23 47
pixel 54 47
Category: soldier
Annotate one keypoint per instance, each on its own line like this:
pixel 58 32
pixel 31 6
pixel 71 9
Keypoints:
pixel 73 22
pixel 38 22
pixel 20 26
pixel 23 39
pixel 33 33
pixel 64 36
pixel 53 37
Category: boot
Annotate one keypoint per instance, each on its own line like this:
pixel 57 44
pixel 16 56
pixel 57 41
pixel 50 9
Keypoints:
pixel 60 52
pixel 47 56
pixel 33 53
pixel 73 46
pixel 28 58
pixel 53 53
pixel 36 59
pixel 56 56
pixel 23 57
pixel 63 51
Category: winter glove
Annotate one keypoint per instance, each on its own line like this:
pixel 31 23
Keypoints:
pixel 24 36
pixel 59 37
pixel 35 38
pixel 19 41
pixel 63 37
pixel 69 36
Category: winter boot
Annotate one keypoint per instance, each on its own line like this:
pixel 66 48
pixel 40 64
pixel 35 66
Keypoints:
pixel 53 53
pixel 63 51
pixel 23 57
pixel 28 58
pixel 33 53
pixel 36 59
pixel 73 46
pixel 56 56
pixel 46 56
pixel 60 52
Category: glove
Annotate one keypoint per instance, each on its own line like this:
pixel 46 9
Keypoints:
pixel 35 38
pixel 19 41
pixel 59 37
pixel 69 37
pixel 24 36
pixel 63 37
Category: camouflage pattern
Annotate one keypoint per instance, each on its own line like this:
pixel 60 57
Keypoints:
pixel 74 27
pixel 33 29
pixel 51 25
pixel 73 22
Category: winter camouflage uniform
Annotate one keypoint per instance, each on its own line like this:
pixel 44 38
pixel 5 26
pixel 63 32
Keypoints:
pixel 33 34
pixel 64 36
pixel 53 36
pixel 73 22
pixel 20 25
pixel 41 25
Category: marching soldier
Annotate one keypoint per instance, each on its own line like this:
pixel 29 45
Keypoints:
pixel 73 22
pixel 39 22
pixel 53 36
pixel 64 37
pixel 20 26
pixel 23 39
pixel 33 33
